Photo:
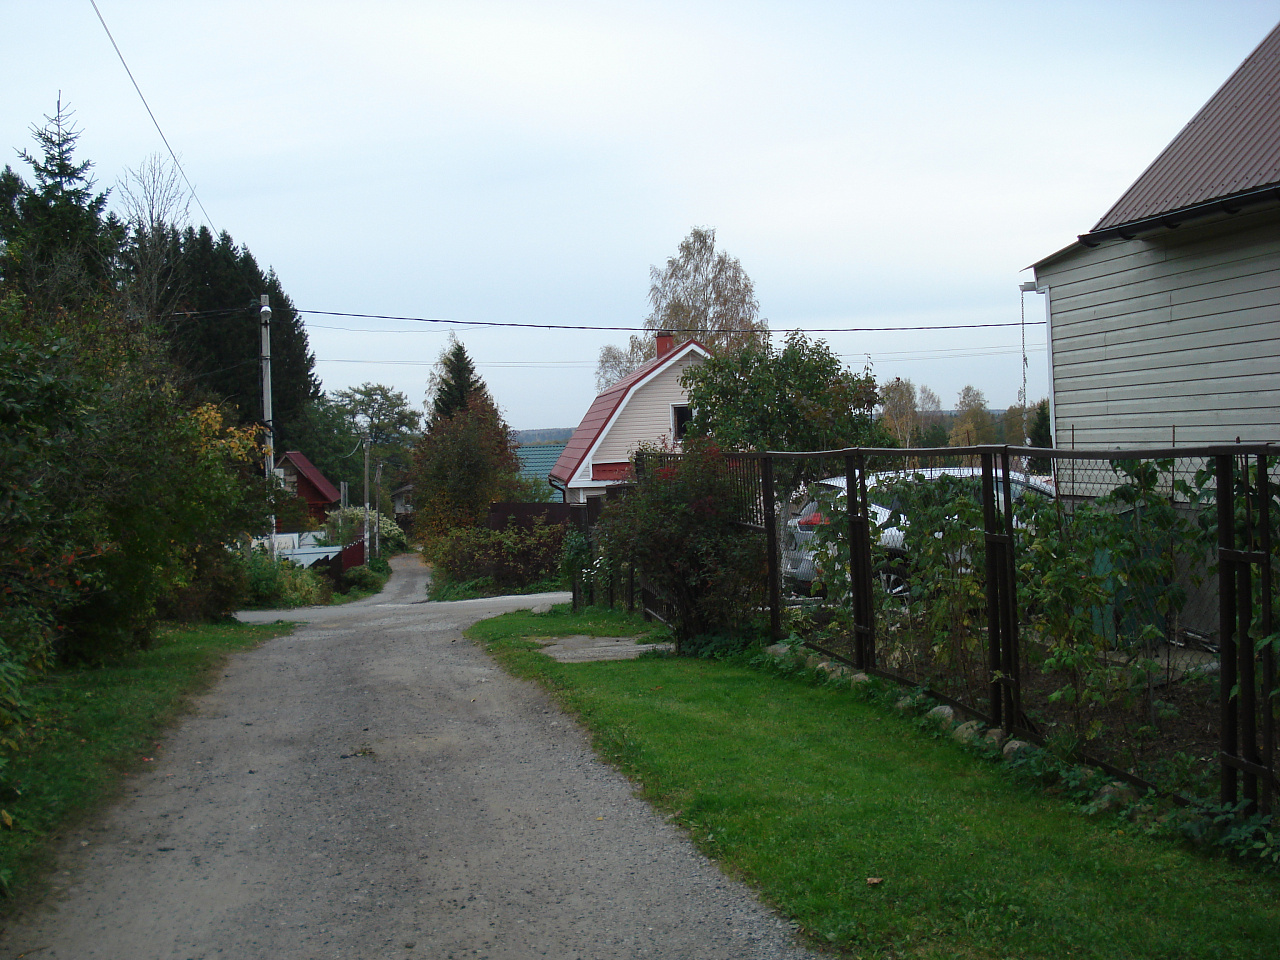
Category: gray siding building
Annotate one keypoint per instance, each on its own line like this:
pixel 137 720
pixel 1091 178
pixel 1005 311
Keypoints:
pixel 1164 319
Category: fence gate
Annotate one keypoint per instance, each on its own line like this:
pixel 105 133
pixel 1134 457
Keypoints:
pixel 1248 700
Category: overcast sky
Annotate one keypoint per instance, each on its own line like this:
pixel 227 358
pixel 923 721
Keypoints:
pixel 872 164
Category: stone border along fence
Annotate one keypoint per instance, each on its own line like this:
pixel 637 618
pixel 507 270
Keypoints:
pixel 1115 606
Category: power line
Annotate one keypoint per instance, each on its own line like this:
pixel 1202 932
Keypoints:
pixel 207 219
pixel 585 364
pixel 633 329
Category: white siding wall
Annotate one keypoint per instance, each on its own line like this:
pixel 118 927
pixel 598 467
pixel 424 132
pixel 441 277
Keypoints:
pixel 646 417
pixel 1180 330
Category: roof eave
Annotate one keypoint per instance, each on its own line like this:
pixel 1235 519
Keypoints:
pixel 1173 219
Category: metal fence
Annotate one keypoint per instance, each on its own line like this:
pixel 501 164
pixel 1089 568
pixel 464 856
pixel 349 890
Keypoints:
pixel 1114 605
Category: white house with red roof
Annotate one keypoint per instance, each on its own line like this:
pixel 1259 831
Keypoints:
pixel 646 406
pixel 1164 319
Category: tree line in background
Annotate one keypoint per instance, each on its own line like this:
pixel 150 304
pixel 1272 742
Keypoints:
pixel 913 417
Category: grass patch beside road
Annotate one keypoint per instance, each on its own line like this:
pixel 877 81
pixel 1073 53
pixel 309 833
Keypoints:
pixel 878 839
pixel 89 727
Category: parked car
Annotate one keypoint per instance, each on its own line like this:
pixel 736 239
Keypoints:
pixel 799 565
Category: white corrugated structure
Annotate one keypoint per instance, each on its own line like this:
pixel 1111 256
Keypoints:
pixel 1165 320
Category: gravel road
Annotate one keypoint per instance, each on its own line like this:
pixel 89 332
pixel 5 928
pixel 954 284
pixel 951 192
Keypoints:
pixel 374 787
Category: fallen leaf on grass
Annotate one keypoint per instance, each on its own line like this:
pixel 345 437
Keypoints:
pixel 874 881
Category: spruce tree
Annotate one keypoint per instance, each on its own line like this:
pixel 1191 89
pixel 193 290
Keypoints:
pixel 217 339
pixel 453 382
pixel 56 247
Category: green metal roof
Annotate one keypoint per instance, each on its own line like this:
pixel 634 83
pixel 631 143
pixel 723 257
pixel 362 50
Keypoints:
pixel 537 459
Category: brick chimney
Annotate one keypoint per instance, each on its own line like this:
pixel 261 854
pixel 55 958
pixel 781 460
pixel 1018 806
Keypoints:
pixel 665 342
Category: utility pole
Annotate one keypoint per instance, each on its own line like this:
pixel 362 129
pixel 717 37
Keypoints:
pixel 366 498
pixel 269 460
pixel 377 513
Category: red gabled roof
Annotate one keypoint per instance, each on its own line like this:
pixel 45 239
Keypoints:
pixel 308 470
pixel 1229 149
pixel 603 409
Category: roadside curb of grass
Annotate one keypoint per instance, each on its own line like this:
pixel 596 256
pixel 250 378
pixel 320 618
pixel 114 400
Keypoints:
pixel 89 729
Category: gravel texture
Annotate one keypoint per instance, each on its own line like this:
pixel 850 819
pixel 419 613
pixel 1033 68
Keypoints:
pixel 374 787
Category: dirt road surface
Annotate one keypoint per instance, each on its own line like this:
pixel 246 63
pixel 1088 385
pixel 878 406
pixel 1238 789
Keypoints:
pixel 374 787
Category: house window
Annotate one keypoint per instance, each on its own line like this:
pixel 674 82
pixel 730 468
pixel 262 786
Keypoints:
pixel 681 414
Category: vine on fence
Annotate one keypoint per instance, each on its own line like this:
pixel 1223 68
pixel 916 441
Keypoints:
pixel 1101 588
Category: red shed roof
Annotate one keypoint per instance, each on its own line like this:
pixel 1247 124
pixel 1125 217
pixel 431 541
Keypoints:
pixel 308 470
pixel 1230 149
pixel 603 409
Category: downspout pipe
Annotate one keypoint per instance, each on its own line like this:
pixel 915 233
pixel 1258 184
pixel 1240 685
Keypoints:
pixel 1034 286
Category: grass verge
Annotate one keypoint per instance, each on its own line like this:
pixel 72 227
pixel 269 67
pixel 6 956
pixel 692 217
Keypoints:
pixel 89 727
pixel 880 840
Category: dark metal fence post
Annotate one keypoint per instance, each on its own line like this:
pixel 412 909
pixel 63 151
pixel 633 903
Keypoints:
pixel 771 545
pixel 860 572
pixel 1011 659
pixel 994 620
pixel 631 586
pixel 1227 624
pixel 1266 694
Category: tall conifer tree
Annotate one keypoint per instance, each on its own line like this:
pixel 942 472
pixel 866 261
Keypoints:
pixel 453 383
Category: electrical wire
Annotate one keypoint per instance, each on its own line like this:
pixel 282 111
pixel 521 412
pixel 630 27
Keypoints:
pixel 586 364
pixel 633 329
pixel 207 219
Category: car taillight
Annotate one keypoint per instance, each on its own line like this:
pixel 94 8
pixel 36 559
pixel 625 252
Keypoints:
pixel 813 520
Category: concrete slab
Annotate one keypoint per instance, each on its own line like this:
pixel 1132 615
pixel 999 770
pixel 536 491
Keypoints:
pixel 583 649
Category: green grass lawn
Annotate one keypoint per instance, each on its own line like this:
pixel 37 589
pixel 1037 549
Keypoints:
pixel 89 727
pixel 880 840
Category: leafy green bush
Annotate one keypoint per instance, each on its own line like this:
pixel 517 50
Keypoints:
pixel 680 527
pixel 575 554
pixel 363 579
pixel 218 586
pixel 280 584
pixel 512 558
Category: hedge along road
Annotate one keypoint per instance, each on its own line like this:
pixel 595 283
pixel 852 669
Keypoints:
pixel 373 787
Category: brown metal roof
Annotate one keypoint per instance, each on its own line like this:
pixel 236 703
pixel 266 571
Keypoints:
pixel 1230 148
